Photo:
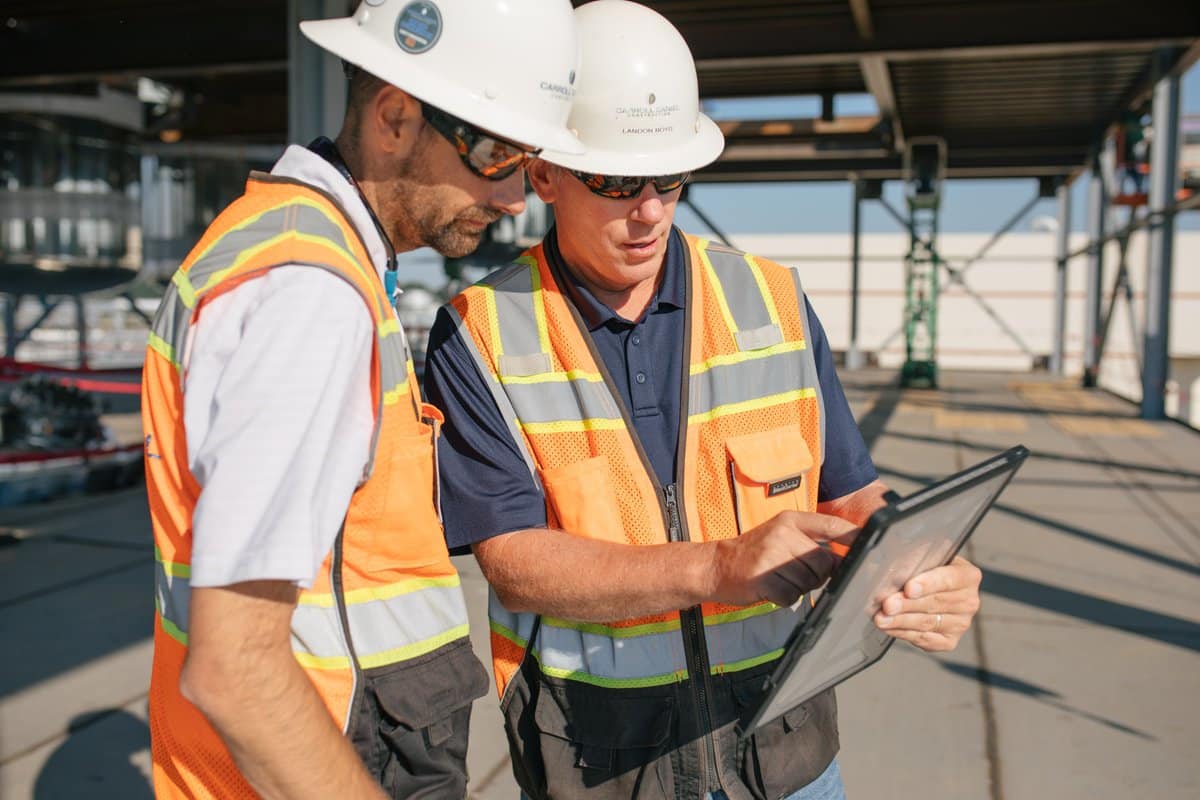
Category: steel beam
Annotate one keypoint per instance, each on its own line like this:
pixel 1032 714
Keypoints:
pixel 1164 179
pixel 861 10
pixel 316 85
pixel 878 78
pixel 854 358
pixel 1097 218
pixel 1063 240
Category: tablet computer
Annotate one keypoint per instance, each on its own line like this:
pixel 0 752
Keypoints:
pixel 908 536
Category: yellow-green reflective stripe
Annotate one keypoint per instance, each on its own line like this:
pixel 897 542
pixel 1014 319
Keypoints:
pixel 266 244
pixel 388 327
pixel 386 657
pixel 573 426
pixel 386 592
pixel 554 377
pixel 493 317
pixel 768 298
pixel 752 405
pixel 765 607
pixel 539 310
pixel 187 294
pixel 715 284
pixel 175 569
pixel 501 630
pixel 677 676
pixel 749 355
pixel 611 631
pixel 746 663
pixel 395 395
pixel 172 630
pixel 163 348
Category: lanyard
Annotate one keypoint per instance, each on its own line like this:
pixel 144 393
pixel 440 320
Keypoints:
pixel 327 150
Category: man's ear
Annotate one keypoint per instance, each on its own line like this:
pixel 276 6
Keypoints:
pixel 394 121
pixel 544 177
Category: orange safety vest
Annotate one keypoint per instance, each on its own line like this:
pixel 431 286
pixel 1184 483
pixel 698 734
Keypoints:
pixel 751 445
pixel 387 592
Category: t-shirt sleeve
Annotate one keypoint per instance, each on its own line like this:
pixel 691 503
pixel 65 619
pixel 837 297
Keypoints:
pixel 278 415
pixel 487 488
pixel 847 466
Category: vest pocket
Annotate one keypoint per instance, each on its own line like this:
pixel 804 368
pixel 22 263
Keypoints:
pixel 582 498
pixel 769 474
pixel 410 535
pixel 594 744
pixel 422 716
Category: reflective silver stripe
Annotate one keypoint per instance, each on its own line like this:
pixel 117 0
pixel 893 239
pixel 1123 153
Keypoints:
pixel 802 301
pixel 745 301
pixel 171 322
pixel 724 384
pixel 616 659
pixel 172 595
pixel 732 644
pixel 393 360
pixel 378 627
pixel 512 290
pixel 551 401
pixel 498 393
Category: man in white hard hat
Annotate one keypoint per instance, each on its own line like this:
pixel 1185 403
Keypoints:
pixel 311 635
pixel 646 447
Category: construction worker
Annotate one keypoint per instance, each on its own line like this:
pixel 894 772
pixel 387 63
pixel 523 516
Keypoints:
pixel 646 447
pixel 311 635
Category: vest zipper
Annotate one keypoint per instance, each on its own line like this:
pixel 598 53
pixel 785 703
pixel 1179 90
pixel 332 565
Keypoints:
pixel 696 652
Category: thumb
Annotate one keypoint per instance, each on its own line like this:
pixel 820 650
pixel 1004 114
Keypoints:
pixel 822 528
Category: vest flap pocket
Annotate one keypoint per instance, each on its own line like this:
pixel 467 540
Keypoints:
pixel 598 722
pixel 423 692
pixel 582 499
pixel 769 472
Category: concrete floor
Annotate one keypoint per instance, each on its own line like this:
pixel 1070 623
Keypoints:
pixel 1081 678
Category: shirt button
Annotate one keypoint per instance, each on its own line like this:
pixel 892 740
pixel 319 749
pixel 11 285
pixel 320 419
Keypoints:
pixel 640 377
pixel 637 339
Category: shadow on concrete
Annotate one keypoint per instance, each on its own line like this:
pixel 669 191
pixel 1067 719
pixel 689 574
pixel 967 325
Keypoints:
pixel 97 760
pixel 1053 699
pixel 1064 527
pixel 990 447
pixel 1164 628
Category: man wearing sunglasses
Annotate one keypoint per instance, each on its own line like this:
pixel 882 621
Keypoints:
pixel 649 452
pixel 311 634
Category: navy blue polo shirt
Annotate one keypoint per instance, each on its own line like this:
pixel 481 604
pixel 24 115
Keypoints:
pixel 486 486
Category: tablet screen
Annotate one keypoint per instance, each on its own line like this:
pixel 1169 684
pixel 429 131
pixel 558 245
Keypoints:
pixel 840 638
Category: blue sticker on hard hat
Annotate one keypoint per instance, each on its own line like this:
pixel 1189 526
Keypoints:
pixel 418 27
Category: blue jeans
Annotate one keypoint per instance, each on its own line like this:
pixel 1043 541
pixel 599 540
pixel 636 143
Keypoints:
pixel 827 786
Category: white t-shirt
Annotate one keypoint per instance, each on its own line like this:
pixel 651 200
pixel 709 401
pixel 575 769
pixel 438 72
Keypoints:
pixel 278 409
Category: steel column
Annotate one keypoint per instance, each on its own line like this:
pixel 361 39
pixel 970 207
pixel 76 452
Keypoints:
pixel 1164 178
pixel 82 328
pixel 1097 217
pixel 316 85
pixel 1060 279
pixel 11 303
pixel 854 358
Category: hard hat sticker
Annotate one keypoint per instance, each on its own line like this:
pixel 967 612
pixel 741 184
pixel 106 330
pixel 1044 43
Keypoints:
pixel 418 26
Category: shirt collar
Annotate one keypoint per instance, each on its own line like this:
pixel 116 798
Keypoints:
pixel 672 290
pixel 301 164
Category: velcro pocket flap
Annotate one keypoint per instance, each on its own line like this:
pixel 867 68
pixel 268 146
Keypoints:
pixel 770 456
pixel 769 472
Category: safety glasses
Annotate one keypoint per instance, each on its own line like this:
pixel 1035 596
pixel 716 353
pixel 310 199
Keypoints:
pixel 620 187
pixel 486 155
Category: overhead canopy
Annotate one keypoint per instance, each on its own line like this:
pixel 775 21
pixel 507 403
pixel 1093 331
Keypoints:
pixel 1015 87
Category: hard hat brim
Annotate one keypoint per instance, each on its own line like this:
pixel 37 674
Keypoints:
pixel 345 39
pixel 703 149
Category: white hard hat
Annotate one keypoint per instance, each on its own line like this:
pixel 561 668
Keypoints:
pixel 507 66
pixel 637 106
